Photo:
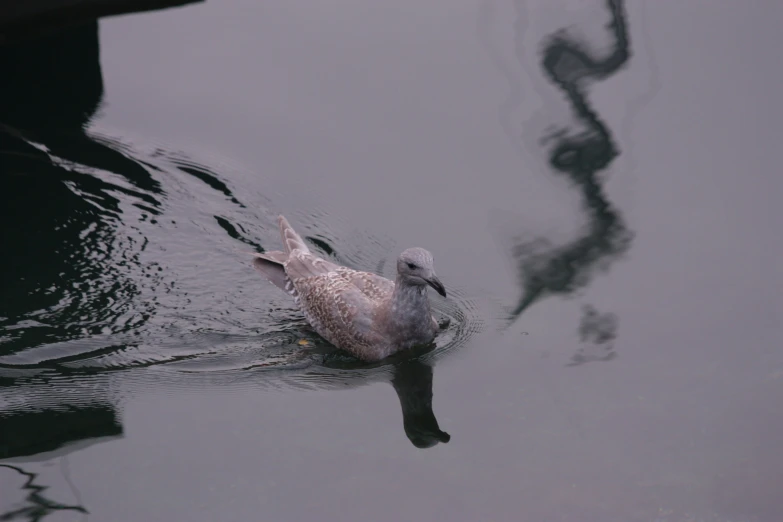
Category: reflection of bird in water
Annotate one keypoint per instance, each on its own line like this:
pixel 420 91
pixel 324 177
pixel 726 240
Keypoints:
pixel 362 313
pixel 413 383
pixel 411 379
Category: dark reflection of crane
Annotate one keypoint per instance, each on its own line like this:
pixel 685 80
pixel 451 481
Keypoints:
pixel 582 152
pixel 545 269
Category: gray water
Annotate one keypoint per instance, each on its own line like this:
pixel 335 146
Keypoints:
pixel 598 183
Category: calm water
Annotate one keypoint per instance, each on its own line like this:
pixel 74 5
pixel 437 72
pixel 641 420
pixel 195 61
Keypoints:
pixel 598 183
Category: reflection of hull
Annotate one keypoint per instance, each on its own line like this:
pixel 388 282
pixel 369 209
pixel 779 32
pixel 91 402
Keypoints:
pixel 54 86
pixel 49 433
pixel 34 17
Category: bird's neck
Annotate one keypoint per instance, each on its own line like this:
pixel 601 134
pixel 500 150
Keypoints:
pixel 409 304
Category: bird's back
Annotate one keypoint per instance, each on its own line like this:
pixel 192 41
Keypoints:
pixel 340 303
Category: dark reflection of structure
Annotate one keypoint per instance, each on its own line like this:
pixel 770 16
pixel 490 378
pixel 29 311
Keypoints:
pixel 34 18
pixel 59 189
pixel 413 383
pixel 545 269
pixel 597 332
pixel 30 432
pixel 57 217
pixel 59 212
pixel 38 505
pixel 43 434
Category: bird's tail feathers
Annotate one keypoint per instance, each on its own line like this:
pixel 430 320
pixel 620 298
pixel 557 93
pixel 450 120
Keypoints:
pixel 291 240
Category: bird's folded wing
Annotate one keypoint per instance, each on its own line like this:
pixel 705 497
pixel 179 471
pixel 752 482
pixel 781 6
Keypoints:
pixel 374 287
pixel 339 308
pixel 302 265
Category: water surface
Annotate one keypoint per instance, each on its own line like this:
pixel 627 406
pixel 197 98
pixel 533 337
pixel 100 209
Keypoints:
pixel 596 180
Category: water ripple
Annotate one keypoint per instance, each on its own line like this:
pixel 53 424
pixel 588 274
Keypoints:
pixel 151 276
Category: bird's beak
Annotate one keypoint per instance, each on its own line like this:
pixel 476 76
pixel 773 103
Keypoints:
pixel 435 283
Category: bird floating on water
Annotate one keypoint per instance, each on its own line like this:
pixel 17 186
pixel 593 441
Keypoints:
pixel 362 313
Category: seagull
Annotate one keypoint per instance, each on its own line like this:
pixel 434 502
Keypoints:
pixel 362 313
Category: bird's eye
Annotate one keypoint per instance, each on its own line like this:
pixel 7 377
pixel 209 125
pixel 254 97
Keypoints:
pixel 412 266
